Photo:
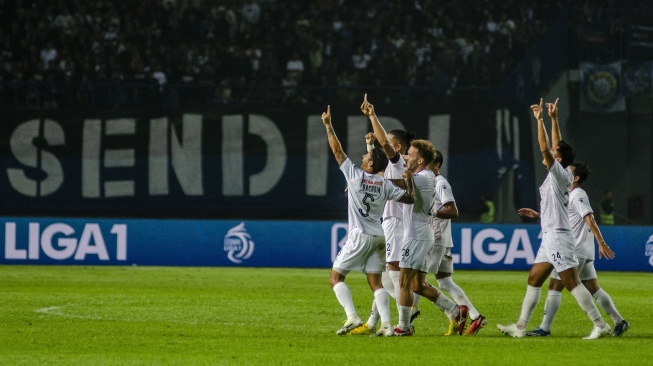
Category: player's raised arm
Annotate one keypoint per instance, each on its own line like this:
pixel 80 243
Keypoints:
pixel 334 143
pixel 556 136
pixel 542 136
pixel 604 249
pixel 369 141
pixel 379 132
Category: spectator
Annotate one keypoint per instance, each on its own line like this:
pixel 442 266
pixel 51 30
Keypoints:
pixel 468 46
pixel 360 59
pixel 251 12
pixel 48 54
pixel 487 209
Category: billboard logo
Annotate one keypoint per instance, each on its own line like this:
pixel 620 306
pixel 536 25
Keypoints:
pixel 238 244
pixel 649 250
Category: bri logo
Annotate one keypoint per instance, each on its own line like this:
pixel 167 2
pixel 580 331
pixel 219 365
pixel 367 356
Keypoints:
pixel 238 244
pixel 649 250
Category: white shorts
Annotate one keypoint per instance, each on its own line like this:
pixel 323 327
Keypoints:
pixel 413 254
pixel 393 229
pixel 434 258
pixel 361 252
pixel 586 270
pixel 446 265
pixel 558 249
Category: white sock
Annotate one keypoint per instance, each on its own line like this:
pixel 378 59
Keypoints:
pixel 551 306
pixel 416 299
pixel 394 276
pixel 586 303
pixel 531 299
pixel 388 284
pixel 404 317
pixel 605 301
pixel 344 298
pixel 458 295
pixel 446 306
pixel 374 316
pixel 381 298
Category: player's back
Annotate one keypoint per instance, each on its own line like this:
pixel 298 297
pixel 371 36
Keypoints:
pixel 366 197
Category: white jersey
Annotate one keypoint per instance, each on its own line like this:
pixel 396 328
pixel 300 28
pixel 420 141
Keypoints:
pixel 394 171
pixel 441 227
pixel 416 218
pixel 366 196
pixel 579 207
pixel 554 193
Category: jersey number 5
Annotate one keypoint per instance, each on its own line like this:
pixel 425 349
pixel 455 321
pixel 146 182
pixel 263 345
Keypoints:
pixel 368 197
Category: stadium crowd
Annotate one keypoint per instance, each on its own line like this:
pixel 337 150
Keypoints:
pixel 107 53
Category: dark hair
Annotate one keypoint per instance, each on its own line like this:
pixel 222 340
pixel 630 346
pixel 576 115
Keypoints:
pixel 424 149
pixel 567 154
pixel 581 170
pixel 439 159
pixel 379 160
pixel 404 137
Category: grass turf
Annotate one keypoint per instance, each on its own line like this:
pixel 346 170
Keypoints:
pixel 270 316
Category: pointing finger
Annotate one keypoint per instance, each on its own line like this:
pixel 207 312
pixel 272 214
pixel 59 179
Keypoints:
pixel 329 109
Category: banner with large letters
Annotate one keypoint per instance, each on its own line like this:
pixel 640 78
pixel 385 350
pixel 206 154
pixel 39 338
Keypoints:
pixel 272 243
pixel 234 162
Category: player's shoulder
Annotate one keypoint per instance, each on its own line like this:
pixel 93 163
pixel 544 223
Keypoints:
pixel 579 194
pixel 440 180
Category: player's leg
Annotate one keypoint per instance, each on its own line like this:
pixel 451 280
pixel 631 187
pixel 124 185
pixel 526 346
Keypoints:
pixel 343 294
pixel 566 264
pixel 353 255
pixel 382 301
pixel 446 283
pixel 571 281
pixel 394 236
pixel 374 266
pixel 457 314
pixel 407 276
pixel 551 307
pixel 536 277
pixel 589 279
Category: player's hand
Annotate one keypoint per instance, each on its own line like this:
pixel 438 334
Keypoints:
pixel 326 116
pixel 528 212
pixel 537 109
pixel 553 109
pixel 366 107
pixel 605 251
pixel 369 138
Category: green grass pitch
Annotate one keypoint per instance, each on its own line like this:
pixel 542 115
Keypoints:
pixel 81 315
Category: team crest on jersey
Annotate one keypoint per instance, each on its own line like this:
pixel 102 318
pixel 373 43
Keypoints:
pixel 238 244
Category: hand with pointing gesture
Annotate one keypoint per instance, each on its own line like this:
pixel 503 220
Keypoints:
pixel 553 109
pixel 537 110
pixel 366 107
pixel 326 116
